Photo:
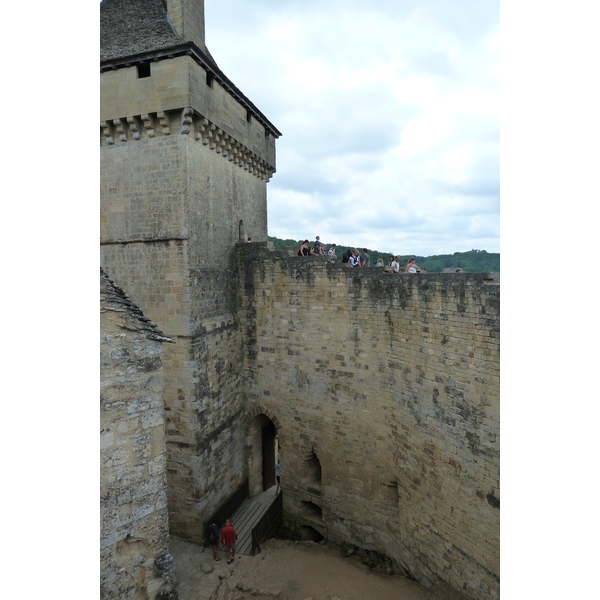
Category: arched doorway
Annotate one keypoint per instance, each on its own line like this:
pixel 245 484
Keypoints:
pixel 268 455
pixel 262 453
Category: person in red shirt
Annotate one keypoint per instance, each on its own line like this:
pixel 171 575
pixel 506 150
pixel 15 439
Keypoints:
pixel 229 535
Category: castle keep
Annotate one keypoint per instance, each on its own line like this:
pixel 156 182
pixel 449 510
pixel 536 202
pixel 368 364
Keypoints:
pixel 383 390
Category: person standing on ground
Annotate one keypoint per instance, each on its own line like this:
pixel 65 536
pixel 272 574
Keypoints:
pixel 213 539
pixel 332 252
pixel 346 256
pixel 396 264
pixel 365 259
pixel 228 536
pixel 277 476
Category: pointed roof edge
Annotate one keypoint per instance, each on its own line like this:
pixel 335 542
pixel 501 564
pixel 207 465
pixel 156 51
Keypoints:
pixel 115 294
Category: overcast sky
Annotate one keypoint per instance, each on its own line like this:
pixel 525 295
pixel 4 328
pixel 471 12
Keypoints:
pixel 389 111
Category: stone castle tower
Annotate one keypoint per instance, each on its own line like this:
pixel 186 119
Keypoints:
pixel 383 390
pixel 185 161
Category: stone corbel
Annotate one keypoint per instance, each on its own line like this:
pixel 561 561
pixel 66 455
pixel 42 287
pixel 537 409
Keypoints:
pixel 217 141
pixel 200 134
pixel 120 129
pixel 210 136
pixel 252 165
pixel 236 153
pixel 107 131
pixel 262 172
pixel 133 127
pixel 229 150
pixel 246 159
pixel 225 146
pixel 165 122
pixel 187 120
pixel 149 125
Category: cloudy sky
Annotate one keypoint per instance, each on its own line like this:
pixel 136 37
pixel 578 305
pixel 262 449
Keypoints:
pixel 389 112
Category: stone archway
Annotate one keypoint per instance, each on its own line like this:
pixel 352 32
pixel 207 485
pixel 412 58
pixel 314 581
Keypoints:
pixel 261 453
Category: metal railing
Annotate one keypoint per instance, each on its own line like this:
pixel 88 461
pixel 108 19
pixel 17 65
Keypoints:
pixel 227 509
pixel 268 524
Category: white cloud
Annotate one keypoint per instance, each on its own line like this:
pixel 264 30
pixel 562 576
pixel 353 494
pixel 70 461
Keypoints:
pixel 389 114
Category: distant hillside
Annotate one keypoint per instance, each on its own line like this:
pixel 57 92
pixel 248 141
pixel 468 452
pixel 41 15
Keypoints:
pixel 474 261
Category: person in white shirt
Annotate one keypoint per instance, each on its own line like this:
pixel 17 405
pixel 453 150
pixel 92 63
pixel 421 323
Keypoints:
pixel 411 266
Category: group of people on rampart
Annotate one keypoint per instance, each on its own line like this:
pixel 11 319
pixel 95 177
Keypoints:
pixel 353 258
pixel 317 248
pixel 394 262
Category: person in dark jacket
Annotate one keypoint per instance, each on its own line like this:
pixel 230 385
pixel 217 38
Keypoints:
pixel 213 539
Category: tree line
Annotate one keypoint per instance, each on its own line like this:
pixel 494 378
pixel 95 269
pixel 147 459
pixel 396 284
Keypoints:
pixel 473 261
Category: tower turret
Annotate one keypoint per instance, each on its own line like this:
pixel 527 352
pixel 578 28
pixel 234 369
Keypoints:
pixel 185 159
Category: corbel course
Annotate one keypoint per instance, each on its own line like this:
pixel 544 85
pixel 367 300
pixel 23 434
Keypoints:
pixel 151 124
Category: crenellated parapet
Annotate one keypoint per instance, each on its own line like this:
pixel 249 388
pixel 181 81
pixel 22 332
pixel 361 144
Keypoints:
pixel 185 121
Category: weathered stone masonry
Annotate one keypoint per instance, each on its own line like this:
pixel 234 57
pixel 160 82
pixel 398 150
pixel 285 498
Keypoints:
pixel 391 384
pixel 133 486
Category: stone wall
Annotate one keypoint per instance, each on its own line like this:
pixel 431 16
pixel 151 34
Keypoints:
pixel 385 389
pixel 133 488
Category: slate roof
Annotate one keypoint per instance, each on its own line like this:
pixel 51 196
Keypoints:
pixel 134 30
pixel 130 27
pixel 112 297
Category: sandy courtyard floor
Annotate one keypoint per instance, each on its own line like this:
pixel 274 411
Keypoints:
pixel 305 570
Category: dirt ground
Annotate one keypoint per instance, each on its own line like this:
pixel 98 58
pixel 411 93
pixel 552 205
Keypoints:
pixel 307 570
